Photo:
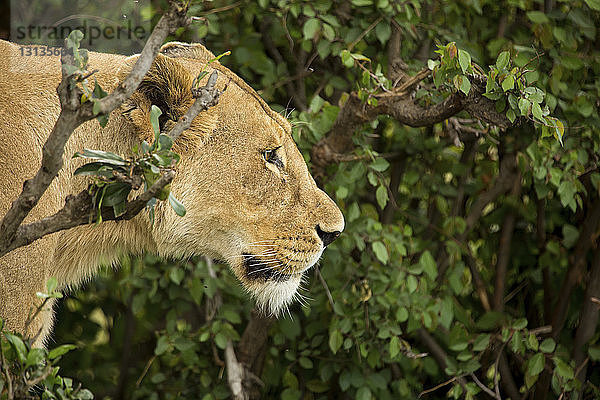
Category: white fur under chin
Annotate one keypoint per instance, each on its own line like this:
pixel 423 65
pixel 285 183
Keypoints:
pixel 275 297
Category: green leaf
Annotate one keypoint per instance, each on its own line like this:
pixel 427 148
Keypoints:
pixel 98 92
pixel 394 347
pixel 380 251
pixel 481 342
pixel 115 193
pixel 536 110
pixel 155 112
pixel 310 28
pixel 162 345
pixel 508 83
pixel 412 283
pixel 594 352
pixel 520 323
pixel 176 275
pixel 537 17
pixel 74 39
pixel 178 207
pixel 347 59
pixel 103 156
pixel 510 114
pixel 593 4
pixel 502 60
pixel 383 31
pixel 431 64
pixel 524 106
pixel 535 365
pixel 102 119
pixel 381 194
pixel 305 362
pixel 465 85
pixel 429 266
pixel 18 345
pixel 35 357
pixel 380 164
pixel 164 142
pixel 51 285
pixel 335 341
pixel 563 369
pixel 532 342
pixel 548 345
pixel 60 350
pixel 364 393
pixel 291 394
pixel 464 60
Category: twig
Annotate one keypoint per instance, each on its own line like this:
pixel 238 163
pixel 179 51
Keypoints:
pixel 329 297
pixel 44 375
pixel 485 388
pixel 436 387
pixel 438 353
pixel 588 319
pixel 496 375
pixel 504 247
pixel 206 96
pixel 4 367
pixel 364 33
pixel 221 9
pixel 145 371
pixel 235 373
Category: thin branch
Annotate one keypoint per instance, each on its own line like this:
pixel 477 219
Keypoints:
pixel 576 269
pixel 6 372
pixel 503 254
pixel 206 97
pixel 436 387
pixel 322 280
pixel 588 320
pixel 486 389
pixel 174 18
pixel 438 353
pixel 235 374
pixel 79 210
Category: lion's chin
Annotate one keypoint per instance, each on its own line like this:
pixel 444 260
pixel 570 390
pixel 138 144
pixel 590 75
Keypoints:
pixel 274 297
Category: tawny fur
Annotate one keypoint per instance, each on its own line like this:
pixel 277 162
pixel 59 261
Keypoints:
pixel 236 202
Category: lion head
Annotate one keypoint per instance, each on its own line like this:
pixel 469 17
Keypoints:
pixel 250 198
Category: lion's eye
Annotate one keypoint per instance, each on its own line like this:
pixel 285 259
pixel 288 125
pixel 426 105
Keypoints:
pixel 271 156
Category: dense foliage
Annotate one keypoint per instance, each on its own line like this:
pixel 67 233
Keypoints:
pixel 469 263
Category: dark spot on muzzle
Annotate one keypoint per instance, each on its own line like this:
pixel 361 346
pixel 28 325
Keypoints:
pixel 256 269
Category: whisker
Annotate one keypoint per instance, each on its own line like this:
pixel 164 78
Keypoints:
pixel 262 269
pixel 265 263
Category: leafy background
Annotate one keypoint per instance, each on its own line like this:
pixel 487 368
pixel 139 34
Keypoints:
pixel 411 268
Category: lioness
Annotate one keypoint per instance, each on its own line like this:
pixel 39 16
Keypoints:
pixel 249 197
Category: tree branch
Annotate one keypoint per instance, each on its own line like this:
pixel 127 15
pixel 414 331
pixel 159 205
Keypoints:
pixel 437 352
pixel 576 270
pixel 79 210
pixel 588 321
pixel 235 374
pixel 206 97
pixel 503 257
pixel 400 105
pixel 73 114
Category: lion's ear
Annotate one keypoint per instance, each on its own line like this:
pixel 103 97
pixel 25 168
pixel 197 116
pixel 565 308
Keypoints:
pixel 167 85
pixel 187 50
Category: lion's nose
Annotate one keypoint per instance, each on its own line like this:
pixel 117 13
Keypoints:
pixel 327 237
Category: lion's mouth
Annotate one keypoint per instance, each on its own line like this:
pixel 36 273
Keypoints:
pixel 258 269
